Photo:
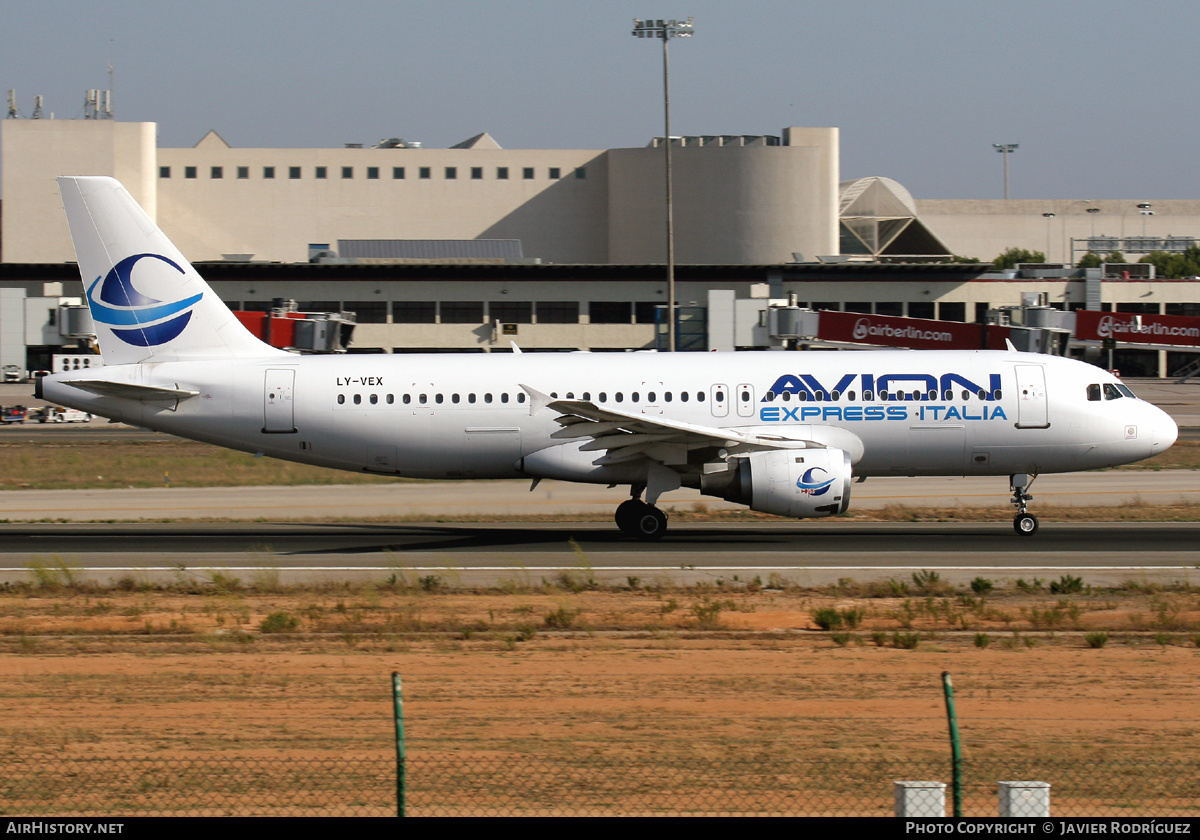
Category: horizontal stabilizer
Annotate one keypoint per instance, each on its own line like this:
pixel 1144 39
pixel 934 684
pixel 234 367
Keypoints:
pixel 130 391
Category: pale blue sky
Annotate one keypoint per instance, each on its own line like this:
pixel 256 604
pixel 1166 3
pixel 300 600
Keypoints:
pixel 1099 93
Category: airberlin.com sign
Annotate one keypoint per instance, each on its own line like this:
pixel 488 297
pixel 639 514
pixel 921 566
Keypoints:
pixel 1137 329
pixel 916 333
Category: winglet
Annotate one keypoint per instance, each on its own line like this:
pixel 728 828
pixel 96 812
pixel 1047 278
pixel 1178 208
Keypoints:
pixel 1008 343
pixel 515 348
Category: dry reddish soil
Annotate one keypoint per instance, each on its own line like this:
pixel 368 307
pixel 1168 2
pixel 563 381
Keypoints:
pixel 139 673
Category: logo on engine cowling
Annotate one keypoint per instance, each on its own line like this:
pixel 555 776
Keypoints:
pixel 810 486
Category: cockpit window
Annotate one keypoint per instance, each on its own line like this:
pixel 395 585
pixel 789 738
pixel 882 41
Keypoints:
pixel 1111 392
pixel 1124 389
pixel 1093 393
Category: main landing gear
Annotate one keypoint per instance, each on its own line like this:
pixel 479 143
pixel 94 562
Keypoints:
pixel 1024 523
pixel 638 519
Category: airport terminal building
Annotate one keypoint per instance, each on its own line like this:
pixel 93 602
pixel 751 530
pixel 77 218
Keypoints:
pixel 475 246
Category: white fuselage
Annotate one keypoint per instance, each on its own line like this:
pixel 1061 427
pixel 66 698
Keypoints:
pixel 468 416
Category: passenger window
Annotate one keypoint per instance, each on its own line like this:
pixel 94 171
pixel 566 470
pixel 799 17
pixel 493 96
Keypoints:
pixel 982 394
pixel 850 396
pixel 966 395
pixel 699 396
pixel 619 397
pixel 470 398
pixel 438 399
pixel 423 399
pixel 835 396
pixel 932 395
pixel 454 398
pixel 769 396
pixel 667 396
pixel 521 397
pixel 868 396
pixel 504 398
pixel 997 394
pixel 720 396
pixel 683 396
pixel 603 397
pixel 819 396
pixel 633 397
pixel 374 399
pixel 341 399
pixel 570 395
pixel 947 395
pixel 407 399
pixel 390 399
pixel 358 399
pixel 650 397
pixel 487 398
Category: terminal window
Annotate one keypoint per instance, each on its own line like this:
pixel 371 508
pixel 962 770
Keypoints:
pixel 217 172
pixel 558 312
pixel 294 172
pixel 347 171
pixel 321 173
pixel 243 172
pixel 581 172
pixel 611 312
pixel 527 173
pixel 372 173
pixel 414 312
pixel 397 173
pixel 268 172
pixel 555 173
pixel 189 172
pixel 476 173
pixel 164 172
pixel 451 173
pixel 425 173
pixel 502 173
pixel 462 312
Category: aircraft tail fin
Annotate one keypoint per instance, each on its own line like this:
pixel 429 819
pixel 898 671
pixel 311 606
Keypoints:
pixel 148 303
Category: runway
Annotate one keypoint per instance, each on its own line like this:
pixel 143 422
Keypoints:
pixel 806 553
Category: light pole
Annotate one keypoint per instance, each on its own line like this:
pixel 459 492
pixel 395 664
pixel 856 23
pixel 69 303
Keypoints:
pixel 1006 149
pixel 1048 217
pixel 665 30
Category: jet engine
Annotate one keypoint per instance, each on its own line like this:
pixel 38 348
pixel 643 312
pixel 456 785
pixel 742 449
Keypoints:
pixel 800 483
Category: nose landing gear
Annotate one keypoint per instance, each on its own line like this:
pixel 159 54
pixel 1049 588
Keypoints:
pixel 1024 523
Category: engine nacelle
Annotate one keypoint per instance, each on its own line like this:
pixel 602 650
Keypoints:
pixel 800 483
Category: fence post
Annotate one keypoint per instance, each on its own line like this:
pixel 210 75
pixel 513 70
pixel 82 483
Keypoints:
pixel 398 715
pixel 955 746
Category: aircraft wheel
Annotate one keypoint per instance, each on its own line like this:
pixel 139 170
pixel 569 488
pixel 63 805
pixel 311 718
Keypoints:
pixel 1025 524
pixel 627 515
pixel 651 524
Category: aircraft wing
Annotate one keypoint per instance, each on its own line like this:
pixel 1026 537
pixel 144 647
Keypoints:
pixel 624 436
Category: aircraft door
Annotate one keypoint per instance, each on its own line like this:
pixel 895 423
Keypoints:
pixel 745 400
pixel 1032 410
pixel 278 408
pixel 718 400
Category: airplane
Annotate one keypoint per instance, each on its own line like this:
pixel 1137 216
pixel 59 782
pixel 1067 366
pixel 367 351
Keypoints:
pixel 784 433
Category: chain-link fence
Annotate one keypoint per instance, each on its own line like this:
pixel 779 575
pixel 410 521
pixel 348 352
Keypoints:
pixel 441 783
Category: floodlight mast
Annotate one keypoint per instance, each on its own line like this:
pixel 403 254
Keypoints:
pixel 1006 149
pixel 665 30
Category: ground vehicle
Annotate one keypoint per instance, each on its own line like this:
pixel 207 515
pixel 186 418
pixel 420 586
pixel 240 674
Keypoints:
pixel 55 414
pixel 12 373
pixel 12 414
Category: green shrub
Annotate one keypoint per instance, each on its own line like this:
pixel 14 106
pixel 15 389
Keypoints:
pixel 279 622
pixel 981 586
pixel 1096 639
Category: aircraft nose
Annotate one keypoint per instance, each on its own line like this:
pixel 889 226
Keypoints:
pixel 1166 431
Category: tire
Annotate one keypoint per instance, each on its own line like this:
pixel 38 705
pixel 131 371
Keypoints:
pixel 627 514
pixel 651 524
pixel 1025 524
